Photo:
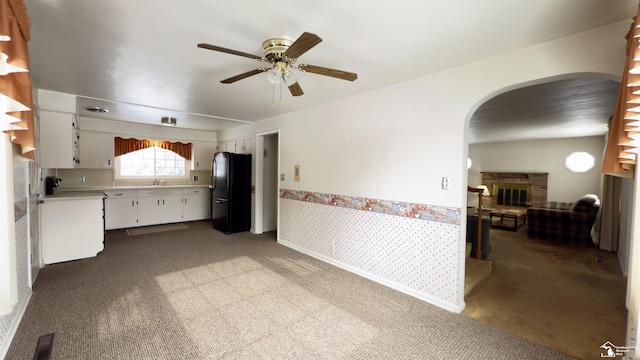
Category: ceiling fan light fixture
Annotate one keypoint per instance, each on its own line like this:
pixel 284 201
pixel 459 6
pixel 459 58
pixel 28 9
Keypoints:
pixel 96 109
pixel 168 121
pixel 289 78
pixel 275 76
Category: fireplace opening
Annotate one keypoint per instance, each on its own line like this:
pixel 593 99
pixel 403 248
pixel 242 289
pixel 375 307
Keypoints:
pixel 512 194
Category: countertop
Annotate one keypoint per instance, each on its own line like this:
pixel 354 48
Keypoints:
pixel 76 194
pixel 122 187
pixel 98 191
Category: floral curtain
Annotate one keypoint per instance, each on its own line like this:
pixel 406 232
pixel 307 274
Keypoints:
pixel 16 103
pixel 621 152
pixel 124 146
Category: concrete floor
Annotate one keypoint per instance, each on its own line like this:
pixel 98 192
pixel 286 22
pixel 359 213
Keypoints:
pixel 565 297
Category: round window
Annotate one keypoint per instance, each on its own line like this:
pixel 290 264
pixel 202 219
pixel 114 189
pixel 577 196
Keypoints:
pixel 579 162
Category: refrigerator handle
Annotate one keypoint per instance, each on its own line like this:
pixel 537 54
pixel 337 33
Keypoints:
pixel 213 172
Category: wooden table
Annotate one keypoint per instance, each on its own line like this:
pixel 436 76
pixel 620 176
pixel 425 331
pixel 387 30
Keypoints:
pixel 508 218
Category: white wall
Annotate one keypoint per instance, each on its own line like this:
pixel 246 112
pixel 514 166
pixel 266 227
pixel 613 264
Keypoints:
pixel 397 143
pixel 541 156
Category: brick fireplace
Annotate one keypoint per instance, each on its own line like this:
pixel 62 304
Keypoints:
pixel 537 182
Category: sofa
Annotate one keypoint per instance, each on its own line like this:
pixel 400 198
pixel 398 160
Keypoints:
pixel 565 222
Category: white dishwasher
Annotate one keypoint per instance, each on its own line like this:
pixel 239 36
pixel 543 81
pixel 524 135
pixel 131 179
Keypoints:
pixel 72 226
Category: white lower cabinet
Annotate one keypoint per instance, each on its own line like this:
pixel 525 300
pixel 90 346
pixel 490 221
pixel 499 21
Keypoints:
pixel 120 209
pixel 149 207
pixel 172 206
pixel 71 228
pixel 196 204
pixel 143 207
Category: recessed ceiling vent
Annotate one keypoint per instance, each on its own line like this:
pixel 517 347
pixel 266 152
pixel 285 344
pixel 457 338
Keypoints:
pixel 96 109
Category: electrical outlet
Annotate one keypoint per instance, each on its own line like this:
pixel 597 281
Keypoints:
pixel 281 177
pixel 83 179
pixel 446 183
pixel 195 178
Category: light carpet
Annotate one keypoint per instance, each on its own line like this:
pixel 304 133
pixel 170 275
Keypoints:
pixel 156 229
pixel 200 294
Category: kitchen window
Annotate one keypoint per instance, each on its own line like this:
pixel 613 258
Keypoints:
pixel 140 159
pixel 151 162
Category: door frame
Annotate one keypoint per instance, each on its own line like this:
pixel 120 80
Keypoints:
pixel 258 213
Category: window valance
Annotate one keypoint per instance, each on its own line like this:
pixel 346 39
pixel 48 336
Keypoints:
pixel 124 146
pixel 16 115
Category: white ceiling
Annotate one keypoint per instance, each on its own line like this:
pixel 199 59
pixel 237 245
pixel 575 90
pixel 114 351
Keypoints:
pixel 139 58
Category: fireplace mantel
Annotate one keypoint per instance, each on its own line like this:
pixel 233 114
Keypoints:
pixel 537 181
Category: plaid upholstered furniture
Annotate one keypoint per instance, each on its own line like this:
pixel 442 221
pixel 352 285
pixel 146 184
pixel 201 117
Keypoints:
pixel 566 222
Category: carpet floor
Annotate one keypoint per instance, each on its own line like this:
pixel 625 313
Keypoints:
pixel 200 294
pixel 566 297
pixel 155 229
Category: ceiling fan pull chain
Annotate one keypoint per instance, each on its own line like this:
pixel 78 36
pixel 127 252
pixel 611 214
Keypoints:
pixel 273 96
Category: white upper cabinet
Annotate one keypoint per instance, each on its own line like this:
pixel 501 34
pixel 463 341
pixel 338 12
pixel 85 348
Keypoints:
pixel 243 146
pixel 58 134
pixel 239 146
pixel 203 153
pixel 96 150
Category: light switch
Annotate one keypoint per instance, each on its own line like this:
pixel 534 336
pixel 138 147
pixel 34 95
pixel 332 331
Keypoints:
pixel 281 177
pixel 296 173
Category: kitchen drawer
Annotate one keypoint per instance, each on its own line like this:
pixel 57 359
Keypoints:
pixel 196 191
pixel 161 192
pixel 117 194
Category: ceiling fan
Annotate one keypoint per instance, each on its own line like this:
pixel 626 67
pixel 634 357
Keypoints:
pixel 282 55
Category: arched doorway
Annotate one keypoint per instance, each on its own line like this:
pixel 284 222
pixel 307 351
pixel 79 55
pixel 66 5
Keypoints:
pixel 543 291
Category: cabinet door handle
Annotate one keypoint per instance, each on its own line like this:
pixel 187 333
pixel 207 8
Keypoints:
pixel 162 201
pixel 132 203
pixel 158 201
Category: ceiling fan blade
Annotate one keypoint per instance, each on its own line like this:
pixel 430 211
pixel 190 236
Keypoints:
pixel 344 75
pixel 302 44
pixel 229 51
pixel 295 89
pixel 243 75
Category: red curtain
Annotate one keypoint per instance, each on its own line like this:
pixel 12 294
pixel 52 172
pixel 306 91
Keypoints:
pixel 124 146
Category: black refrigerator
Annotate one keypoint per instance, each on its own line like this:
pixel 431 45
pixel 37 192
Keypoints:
pixel 231 192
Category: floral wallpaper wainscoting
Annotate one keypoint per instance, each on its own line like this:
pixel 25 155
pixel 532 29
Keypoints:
pixel 413 248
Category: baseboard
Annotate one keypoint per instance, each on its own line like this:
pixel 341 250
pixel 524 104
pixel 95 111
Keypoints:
pixel 403 289
pixel 4 347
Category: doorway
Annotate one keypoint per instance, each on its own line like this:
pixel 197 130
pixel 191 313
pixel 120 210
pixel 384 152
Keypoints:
pixel 539 289
pixel 266 213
